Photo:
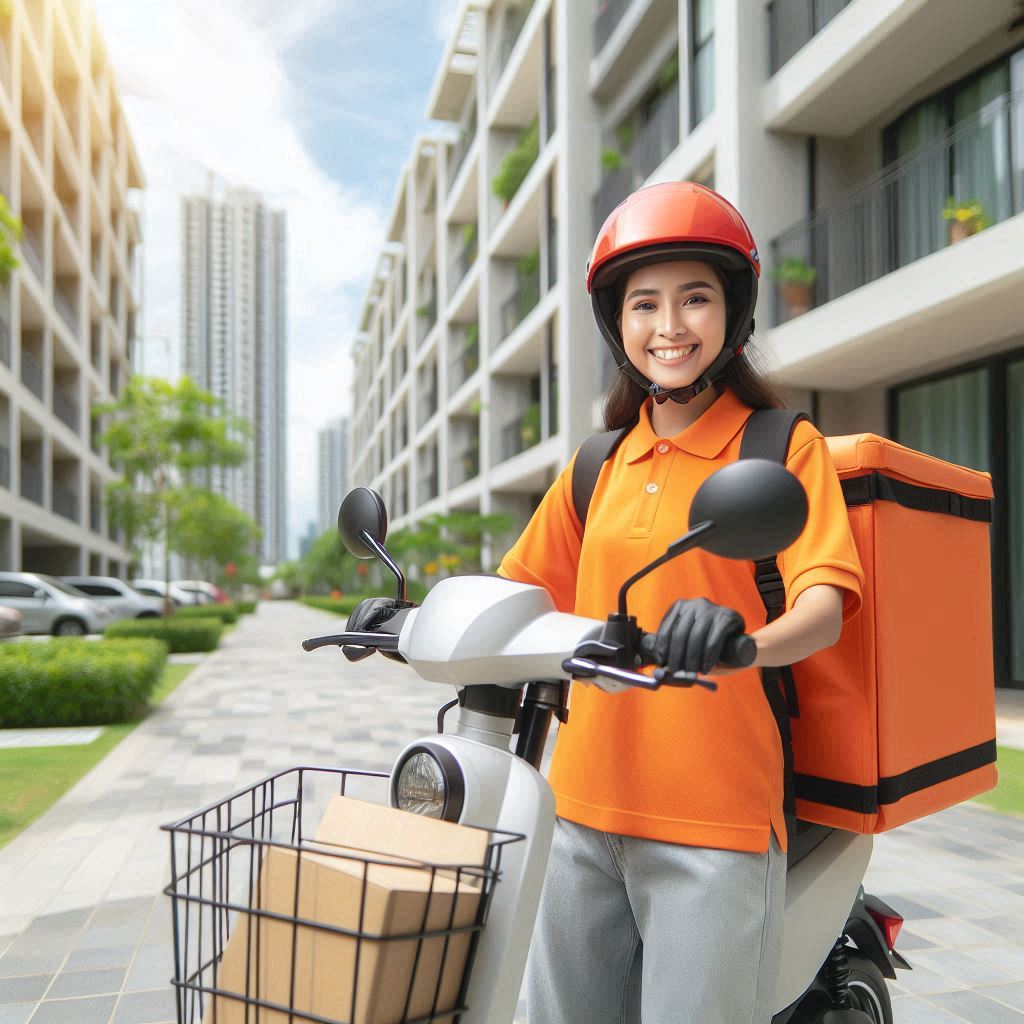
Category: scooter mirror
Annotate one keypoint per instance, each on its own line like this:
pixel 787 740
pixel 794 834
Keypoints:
pixel 362 509
pixel 758 507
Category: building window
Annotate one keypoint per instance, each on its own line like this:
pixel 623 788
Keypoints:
pixel 974 416
pixel 702 60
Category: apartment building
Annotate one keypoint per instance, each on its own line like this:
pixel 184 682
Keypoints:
pixel 233 298
pixel 877 151
pixel 332 472
pixel 68 314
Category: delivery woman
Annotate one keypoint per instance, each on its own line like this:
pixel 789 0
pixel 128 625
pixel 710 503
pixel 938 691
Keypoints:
pixel 665 893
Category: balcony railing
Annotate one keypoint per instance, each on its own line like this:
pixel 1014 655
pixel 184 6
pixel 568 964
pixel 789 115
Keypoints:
pixel 518 305
pixel 67 409
pixel 31 248
pixel 462 148
pixel 65 502
pixel 31 482
pixel 899 216
pixel 466 465
pixel 521 433
pixel 32 373
pixel 654 141
pixel 5 466
pixel 515 19
pixel 794 23
pixel 66 310
pixel 465 362
pixel 609 14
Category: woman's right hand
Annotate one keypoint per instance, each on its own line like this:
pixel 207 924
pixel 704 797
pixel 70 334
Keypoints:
pixel 694 635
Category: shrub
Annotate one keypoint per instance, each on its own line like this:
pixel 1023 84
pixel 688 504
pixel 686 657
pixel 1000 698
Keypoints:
pixel 67 681
pixel 246 607
pixel 227 613
pixel 182 636
pixel 338 605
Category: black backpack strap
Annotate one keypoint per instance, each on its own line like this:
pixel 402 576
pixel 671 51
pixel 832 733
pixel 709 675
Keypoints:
pixel 767 435
pixel 593 454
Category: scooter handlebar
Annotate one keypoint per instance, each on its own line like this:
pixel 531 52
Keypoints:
pixel 739 652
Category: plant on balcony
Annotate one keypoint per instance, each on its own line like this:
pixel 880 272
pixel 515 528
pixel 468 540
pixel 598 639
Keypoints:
pixel 10 234
pixel 529 265
pixel 668 74
pixel 529 425
pixel 611 160
pixel 516 165
pixel 468 234
pixel 965 218
pixel 796 284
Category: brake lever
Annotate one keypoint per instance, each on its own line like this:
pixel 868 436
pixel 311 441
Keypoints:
pixel 584 668
pixel 355 638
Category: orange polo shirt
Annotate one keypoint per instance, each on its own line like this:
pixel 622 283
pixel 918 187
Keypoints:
pixel 679 765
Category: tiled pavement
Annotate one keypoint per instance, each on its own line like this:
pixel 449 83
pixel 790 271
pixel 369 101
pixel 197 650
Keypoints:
pixel 85 936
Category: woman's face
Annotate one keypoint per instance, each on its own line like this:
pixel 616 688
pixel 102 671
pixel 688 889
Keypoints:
pixel 673 321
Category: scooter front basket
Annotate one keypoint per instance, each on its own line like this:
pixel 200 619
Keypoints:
pixel 271 927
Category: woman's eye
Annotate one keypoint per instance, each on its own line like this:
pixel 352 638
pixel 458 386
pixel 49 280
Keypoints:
pixel 692 297
pixel 641 305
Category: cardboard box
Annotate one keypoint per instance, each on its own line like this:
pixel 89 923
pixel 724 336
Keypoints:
pixel 400 898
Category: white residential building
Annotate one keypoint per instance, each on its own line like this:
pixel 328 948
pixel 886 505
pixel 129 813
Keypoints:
pixel 68 314
pixel 235 342
pixel 332 472
pixel 839 129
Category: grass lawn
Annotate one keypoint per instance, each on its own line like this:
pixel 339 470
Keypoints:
pixel 33 778
pixel 1008 796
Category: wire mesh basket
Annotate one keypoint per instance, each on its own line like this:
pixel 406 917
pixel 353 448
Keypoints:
pixel 273 926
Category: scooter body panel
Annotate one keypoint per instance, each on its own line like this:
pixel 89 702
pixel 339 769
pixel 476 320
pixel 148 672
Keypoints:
pixel 820 892
pixel 505 793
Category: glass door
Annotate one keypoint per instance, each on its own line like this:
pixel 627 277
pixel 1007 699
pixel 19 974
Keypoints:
pixel 1015 515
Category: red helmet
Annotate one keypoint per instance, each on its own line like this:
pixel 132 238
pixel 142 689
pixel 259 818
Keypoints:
pixel 678 220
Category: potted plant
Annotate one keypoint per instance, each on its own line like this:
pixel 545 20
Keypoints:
pixel 796 284
pixel 965 217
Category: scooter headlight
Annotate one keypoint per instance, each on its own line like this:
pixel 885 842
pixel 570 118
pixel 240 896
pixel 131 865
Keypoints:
pixel 429 781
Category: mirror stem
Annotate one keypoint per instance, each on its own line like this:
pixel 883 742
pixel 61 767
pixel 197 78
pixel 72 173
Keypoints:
pixel 381 552
pixel 676 548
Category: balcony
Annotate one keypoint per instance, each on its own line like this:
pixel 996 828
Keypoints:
pixel 31 249
pixel 65 502
pixel 5 466
pixel 428 487
pixel 95 515
pixel 467 134
pixel 66 310
pixel 32 374
pixel 905 214
pixel 514 19
pixel 656 138
pixel 466 360
pixel 31 482
pixel 466 465
pixel 466 256
pixel 521 433
pixel 526 295
pixel 426 317
pixel 67 409
pixel 609 14
pixel 794 23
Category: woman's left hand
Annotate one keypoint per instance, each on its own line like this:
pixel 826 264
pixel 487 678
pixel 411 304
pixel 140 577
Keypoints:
pixel 693 634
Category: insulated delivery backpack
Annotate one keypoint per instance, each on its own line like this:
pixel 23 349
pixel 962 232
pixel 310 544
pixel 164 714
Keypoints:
pixel 897 720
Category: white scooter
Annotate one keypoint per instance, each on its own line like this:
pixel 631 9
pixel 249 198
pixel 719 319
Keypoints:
pixel 510 654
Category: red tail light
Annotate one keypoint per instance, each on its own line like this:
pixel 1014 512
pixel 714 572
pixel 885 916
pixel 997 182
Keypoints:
pixel 890 925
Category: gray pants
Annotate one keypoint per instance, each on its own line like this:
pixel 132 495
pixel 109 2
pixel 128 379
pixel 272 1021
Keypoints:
pixel 632 929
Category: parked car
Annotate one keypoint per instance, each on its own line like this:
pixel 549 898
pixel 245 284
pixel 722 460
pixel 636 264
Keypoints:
pixel 121 598
pixel 205 593
pixel 156 588
pixel 10 623
pixel 49 606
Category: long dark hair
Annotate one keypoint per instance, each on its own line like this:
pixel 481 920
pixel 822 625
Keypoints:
pixel 743 374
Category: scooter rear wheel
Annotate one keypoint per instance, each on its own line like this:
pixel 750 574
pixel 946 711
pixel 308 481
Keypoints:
pixel 868 990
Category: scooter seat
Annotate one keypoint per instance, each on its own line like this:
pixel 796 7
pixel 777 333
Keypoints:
pixel 808 837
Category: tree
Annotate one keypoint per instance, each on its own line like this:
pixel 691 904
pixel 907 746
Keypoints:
pixel 215 533
pixel 163 436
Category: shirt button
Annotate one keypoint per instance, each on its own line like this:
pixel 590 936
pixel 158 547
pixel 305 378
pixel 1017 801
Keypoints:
pixel 662 447
pixel 652 488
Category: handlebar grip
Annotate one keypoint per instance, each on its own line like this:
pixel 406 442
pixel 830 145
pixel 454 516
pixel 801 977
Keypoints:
pixel 739 652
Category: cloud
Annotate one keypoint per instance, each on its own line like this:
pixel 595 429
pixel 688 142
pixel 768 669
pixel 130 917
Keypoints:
pixel 209 103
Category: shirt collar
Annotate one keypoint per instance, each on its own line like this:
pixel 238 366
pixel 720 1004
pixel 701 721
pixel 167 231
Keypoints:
pixel 706 438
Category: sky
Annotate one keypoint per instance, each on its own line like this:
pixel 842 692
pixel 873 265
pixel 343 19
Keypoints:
pixel 312 103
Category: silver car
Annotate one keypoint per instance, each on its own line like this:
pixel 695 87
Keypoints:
pixel 49 606
pixel 121 598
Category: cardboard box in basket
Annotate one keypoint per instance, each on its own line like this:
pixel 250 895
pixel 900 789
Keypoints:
pixel 399 899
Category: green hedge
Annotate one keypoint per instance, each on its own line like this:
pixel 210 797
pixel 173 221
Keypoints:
pixel 338 605
pixel 67 681
pixel 183 636
pixel 227 613
pixel 246 607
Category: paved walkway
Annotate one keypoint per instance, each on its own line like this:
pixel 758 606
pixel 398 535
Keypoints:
pixel 85 936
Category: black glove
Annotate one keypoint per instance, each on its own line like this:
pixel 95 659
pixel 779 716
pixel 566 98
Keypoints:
pixel 371 613
pixel 693 634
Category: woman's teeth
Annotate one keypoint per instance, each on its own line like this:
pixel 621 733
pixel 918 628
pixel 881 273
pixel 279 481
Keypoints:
pixel 667 354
